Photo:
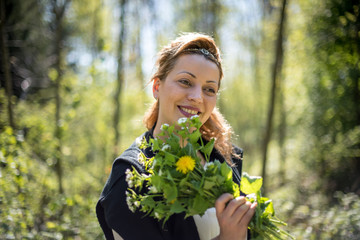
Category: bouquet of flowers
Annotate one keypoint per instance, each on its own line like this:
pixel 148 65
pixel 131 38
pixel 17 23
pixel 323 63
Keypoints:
pixel 264 224
pixel 176 180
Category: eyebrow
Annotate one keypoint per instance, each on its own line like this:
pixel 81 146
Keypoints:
pixel 212 81
pixel 187 73
pixel 208 81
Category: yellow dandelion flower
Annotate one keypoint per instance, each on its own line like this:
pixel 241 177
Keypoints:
pixel 185 164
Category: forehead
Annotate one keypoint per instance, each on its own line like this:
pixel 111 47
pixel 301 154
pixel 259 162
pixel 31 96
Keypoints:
pixel 197 65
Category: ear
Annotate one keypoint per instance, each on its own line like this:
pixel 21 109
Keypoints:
pixel 156 85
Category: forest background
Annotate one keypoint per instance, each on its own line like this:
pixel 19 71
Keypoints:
pixel 74 89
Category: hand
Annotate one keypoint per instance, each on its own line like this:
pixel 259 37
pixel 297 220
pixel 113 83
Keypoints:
pixel 233 216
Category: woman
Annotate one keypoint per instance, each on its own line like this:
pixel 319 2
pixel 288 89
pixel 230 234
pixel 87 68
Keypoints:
pixel 186 83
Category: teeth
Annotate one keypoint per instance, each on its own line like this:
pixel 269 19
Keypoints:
pixel 189 111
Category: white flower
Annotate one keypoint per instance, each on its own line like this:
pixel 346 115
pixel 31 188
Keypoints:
pixel 194 116
pixel 166 147
pixel 132 208
pixel 128 200
pixel 153 189
pixel 145 175
pixel 182 120
pixel 251 196
pixel 129 175
pixel 138 141
pixel 157 215
pixel 130 183
pixel 137 203
pixel 164 126
pixel 129 203
pixel 208 164
pixel 154 163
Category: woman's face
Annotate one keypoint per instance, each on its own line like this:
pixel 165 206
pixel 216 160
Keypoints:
pixel 189 89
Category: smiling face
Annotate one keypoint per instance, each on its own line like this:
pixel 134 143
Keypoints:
pixel 189 89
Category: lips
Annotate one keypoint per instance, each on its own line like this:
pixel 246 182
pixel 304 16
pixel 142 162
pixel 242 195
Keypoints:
pixel 189 111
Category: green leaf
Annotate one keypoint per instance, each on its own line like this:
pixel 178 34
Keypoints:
pixel 194 136
pixel 208 184
pixel 200 204
pixel 208 147
pixel 171 129
pixel 183 182
pixel 189 150
pixel 236 190
pixel 170 192
pixel 226 171
pixel 148 201
pixel 169 176
pixel 169 159
pixel 250 184
pixel 155 180
pixel 174 142
pixel 176 207
pixel 155 144
pixel 269 208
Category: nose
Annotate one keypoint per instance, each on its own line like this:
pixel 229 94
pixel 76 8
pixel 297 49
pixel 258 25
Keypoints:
pixel 195 94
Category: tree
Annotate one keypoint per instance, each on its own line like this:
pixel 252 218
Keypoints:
pixel 335 94
pixel 120 76
pixel 59 14
pixel 5 64
pixel 23 52
pixel 276 71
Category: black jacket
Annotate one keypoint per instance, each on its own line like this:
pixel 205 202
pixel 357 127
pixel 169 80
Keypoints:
pixel 113 213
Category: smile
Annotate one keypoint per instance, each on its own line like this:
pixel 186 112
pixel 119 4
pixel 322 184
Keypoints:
pixel 187 111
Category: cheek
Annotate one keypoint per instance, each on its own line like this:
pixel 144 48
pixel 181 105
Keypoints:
pixel 211 103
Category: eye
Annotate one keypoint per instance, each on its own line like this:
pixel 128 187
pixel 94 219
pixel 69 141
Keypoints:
pixel 210 91
pixel 185 82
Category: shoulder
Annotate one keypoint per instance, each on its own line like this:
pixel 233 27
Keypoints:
pixel 237 151
pixel 236 157
pixel 127 160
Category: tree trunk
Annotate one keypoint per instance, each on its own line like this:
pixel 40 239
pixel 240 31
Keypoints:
pixel 212 24
pixel 59 38
pixel 137 49
pixel 5 62
pixel 139 70
pixel 282 133
pixel 275 75
pixel 119 79
pixel 356 160
pixel 215 10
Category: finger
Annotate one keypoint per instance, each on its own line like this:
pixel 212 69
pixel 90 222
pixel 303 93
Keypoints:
pixel 249 214
pixel 220 203
pixel 240 212
pixel 234 204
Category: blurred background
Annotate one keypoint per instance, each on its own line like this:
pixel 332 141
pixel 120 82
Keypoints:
pixel 73 92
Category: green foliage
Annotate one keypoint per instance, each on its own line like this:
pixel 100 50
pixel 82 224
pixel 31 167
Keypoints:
pixel 175 180
pixel 335 94
pixel 340 221
pixel 264 223
pixel 337 160
pixel 13 193
pixel 323 136
pixel 31 207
